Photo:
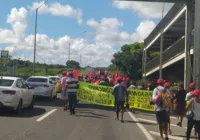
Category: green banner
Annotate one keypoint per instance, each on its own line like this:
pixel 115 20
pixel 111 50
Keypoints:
pixel 102 95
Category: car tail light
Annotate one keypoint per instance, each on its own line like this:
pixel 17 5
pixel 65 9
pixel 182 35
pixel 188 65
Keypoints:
pixel 46 85
pixel 11 92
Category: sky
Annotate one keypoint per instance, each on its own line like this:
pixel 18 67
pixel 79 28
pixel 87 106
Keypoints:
pixel 94 29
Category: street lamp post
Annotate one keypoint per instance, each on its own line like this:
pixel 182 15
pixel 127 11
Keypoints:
pixel 35 40
pixel 70 46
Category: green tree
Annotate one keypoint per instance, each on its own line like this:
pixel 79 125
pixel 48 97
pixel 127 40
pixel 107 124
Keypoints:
pixel 112 68
pixel 129 60
pixel 72 64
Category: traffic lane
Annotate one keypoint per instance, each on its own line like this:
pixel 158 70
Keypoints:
pixel 149 122
pixel 91 122
pixel 12 124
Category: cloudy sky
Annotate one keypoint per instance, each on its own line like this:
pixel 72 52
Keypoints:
pixel 95 29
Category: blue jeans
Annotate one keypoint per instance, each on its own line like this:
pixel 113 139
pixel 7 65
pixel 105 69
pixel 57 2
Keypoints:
pixel 72 102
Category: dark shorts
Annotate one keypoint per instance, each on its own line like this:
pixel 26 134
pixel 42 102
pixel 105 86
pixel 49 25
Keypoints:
pixel 120 104
pixel 162 117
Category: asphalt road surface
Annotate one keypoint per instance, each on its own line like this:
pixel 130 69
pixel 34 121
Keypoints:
pixel 48 121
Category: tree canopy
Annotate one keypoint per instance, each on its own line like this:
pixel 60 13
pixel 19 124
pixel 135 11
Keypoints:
pixel 129 60
pixel 72 64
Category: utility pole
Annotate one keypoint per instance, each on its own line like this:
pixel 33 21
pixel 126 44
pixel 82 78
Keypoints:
pixel 69 53
pixel 197 44
pixel 80 60
pixel 35 41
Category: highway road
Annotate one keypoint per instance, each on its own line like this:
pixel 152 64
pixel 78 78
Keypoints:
pixel 48 121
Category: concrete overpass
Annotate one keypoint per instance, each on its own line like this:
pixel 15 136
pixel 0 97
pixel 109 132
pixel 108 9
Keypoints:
pixel 189 26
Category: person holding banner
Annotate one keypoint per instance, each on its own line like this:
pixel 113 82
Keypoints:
pixel 63 93
pixel 120 91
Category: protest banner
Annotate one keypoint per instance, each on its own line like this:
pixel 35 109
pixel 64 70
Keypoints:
pixel 102 95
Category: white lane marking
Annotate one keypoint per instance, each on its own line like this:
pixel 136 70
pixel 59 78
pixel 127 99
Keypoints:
pixel 146 133
pixel 46 115
pixel 145 120
pixel 171 117
pixel 170 136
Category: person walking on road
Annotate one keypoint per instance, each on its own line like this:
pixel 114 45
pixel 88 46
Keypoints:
pixel 72 85
pixel 194 106
pixel 162 102
pixel 120 91
pixel 180 103
pixel 162 116
pixel 190 122
pixel 63 90
pixel 166 86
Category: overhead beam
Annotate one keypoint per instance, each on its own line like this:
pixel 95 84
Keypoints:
pixel 166 1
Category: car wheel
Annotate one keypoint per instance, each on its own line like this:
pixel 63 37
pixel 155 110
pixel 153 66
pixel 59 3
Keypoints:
pixel 19 107
pixel 32 104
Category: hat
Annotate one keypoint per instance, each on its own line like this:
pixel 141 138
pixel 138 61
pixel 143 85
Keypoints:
pixel 160 81
pixel 119 79
pixel 166 85
pixel 192 85
pixel 196 92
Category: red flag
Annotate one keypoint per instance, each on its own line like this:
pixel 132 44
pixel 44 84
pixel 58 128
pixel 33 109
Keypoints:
pixel 117 73
pixel 75 73
pixel 125 80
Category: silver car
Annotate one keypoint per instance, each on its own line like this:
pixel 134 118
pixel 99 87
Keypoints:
pixel 42 86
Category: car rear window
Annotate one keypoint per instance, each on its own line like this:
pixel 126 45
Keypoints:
pixel 52 78
pixel 6 82
pixel 42 80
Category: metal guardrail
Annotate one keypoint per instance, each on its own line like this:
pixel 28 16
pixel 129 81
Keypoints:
pixel 170 53
pixel 153 63
pixel 177 49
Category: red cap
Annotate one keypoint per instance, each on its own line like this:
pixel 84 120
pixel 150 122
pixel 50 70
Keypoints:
pixel 166 85
pixel 196 92
pixel 192 85
pixel 119 79
pixel 160 81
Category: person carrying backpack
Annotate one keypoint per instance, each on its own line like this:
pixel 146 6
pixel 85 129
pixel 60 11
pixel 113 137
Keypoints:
pixel 162 103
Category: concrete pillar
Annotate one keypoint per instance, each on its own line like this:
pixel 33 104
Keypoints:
pixel 197 44
pixel 161 55
pixel 188 30
pixel 144 63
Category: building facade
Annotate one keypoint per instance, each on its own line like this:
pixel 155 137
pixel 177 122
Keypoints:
pixel 173 41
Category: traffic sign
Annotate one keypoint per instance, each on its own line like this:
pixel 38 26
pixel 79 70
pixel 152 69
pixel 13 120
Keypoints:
pixel 4 56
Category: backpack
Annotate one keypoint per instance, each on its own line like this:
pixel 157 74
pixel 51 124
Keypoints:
pixel 166 100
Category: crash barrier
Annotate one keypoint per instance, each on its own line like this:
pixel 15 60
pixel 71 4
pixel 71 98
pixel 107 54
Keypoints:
pixel 102 95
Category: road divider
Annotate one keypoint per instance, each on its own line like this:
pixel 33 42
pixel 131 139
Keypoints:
pixel 102 95
pixel 46 115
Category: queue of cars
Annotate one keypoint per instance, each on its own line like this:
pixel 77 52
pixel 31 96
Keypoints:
pixel 16 93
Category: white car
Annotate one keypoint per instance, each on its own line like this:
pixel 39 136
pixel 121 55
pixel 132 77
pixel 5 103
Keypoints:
pixel 15 93
pixel 42 86
pixel 55 79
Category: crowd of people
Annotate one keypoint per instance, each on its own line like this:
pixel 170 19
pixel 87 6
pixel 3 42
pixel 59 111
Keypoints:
pixel 180 102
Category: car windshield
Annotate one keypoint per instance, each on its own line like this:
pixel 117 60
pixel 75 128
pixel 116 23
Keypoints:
pixel 52 78
pixel 43 80
pixel 6 82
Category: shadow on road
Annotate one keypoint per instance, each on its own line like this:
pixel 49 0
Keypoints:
pixel 94 106
pixel 91 116
pixel 26 113
pixel 40 101
pixel 90 112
